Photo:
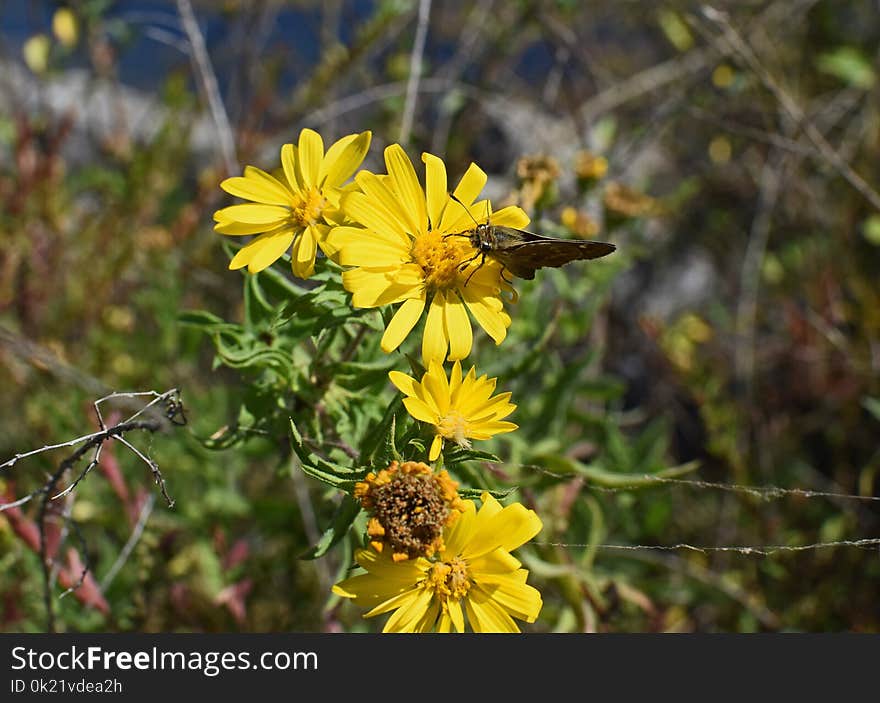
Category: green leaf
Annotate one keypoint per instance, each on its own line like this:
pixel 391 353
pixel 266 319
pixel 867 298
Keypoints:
pixel 317 467
pixel 871 229
pixel 872 405
pixel 849 65
pixel 372 439
pixel 345 516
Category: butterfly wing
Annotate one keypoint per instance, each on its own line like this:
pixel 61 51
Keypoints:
pixel 523 252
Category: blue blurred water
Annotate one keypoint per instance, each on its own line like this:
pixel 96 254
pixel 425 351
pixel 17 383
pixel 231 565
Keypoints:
pixel 144 59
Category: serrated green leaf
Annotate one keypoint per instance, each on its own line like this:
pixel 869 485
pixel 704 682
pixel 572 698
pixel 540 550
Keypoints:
pixel 343 519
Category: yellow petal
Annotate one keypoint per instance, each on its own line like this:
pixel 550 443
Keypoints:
pixel 260 189
pixel 337 237
pixel 420 410
pixel 272 246
pixel 405 384
pixel 510 528
pixel 428 620
pixel 288 163
pixel 408 615
pixel 468 188
pixel 410 275
pixel 435 188
pixel 436 446
pixel 457 536
pixel 485 430
pixel 370 211
pixel 490 320
pixel 444 623
pixel 406 185
pixel 304 250
pixel 511 216
pixel 471 183
pixel 372 250
pixel 343 158
pixel 374 288
pixel 496 409
pixel 244 255
pixel 458 328
pixel 267 179
pixel 456 615
pixel 477 402
pixel 435 383
pixel 517 598
pixel 372 590
pixel 434 342
pixel 489 507
pixel 402 600
pixel 385 567
pixel 241 228
pixel 455 381
pixel 495 563
pixel 311 153
pixel 485 615
pixel 253 213
pixel 402 323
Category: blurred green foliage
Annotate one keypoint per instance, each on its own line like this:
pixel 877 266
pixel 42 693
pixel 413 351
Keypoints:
pixel 112 279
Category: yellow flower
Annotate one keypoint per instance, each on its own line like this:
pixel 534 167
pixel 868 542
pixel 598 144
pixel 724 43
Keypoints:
pixel 474 576
pixel 460 409
pixel 403 255
pixel 298 210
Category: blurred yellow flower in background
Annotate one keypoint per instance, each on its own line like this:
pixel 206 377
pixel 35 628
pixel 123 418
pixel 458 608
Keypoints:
pixel 65 27
pixel 297 211
pixel 404 254
pixel 461 409
pixel 473 580
pixel 36 53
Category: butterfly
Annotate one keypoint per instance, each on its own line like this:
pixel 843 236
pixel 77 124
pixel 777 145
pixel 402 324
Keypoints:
pixel 522 253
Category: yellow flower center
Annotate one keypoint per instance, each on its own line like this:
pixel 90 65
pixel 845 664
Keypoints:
pixel 455 426
pixel 306 208
pixel 440 258
pixel 449 580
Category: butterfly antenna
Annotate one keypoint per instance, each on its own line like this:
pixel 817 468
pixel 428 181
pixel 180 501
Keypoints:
pixel 452 195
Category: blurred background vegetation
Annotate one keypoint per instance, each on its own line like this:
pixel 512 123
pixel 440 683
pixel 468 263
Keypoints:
pixel 732 154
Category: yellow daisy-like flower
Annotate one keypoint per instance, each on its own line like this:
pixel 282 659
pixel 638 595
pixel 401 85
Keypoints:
pixel 461 409
pixel 403 254
pixel 296 212
pixel 474 576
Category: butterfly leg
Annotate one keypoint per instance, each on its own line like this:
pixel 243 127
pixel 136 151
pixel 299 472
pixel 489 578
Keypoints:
pixel 504 278
pixel 482 261
pixel 464 264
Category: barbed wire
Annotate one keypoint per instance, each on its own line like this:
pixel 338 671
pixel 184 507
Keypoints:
pixel 769 550
pixel 763 492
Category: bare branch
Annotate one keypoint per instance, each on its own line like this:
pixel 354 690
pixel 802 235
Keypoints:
pixel 208 80
pixel 741 47
pixel 415 70
pixel 133 539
